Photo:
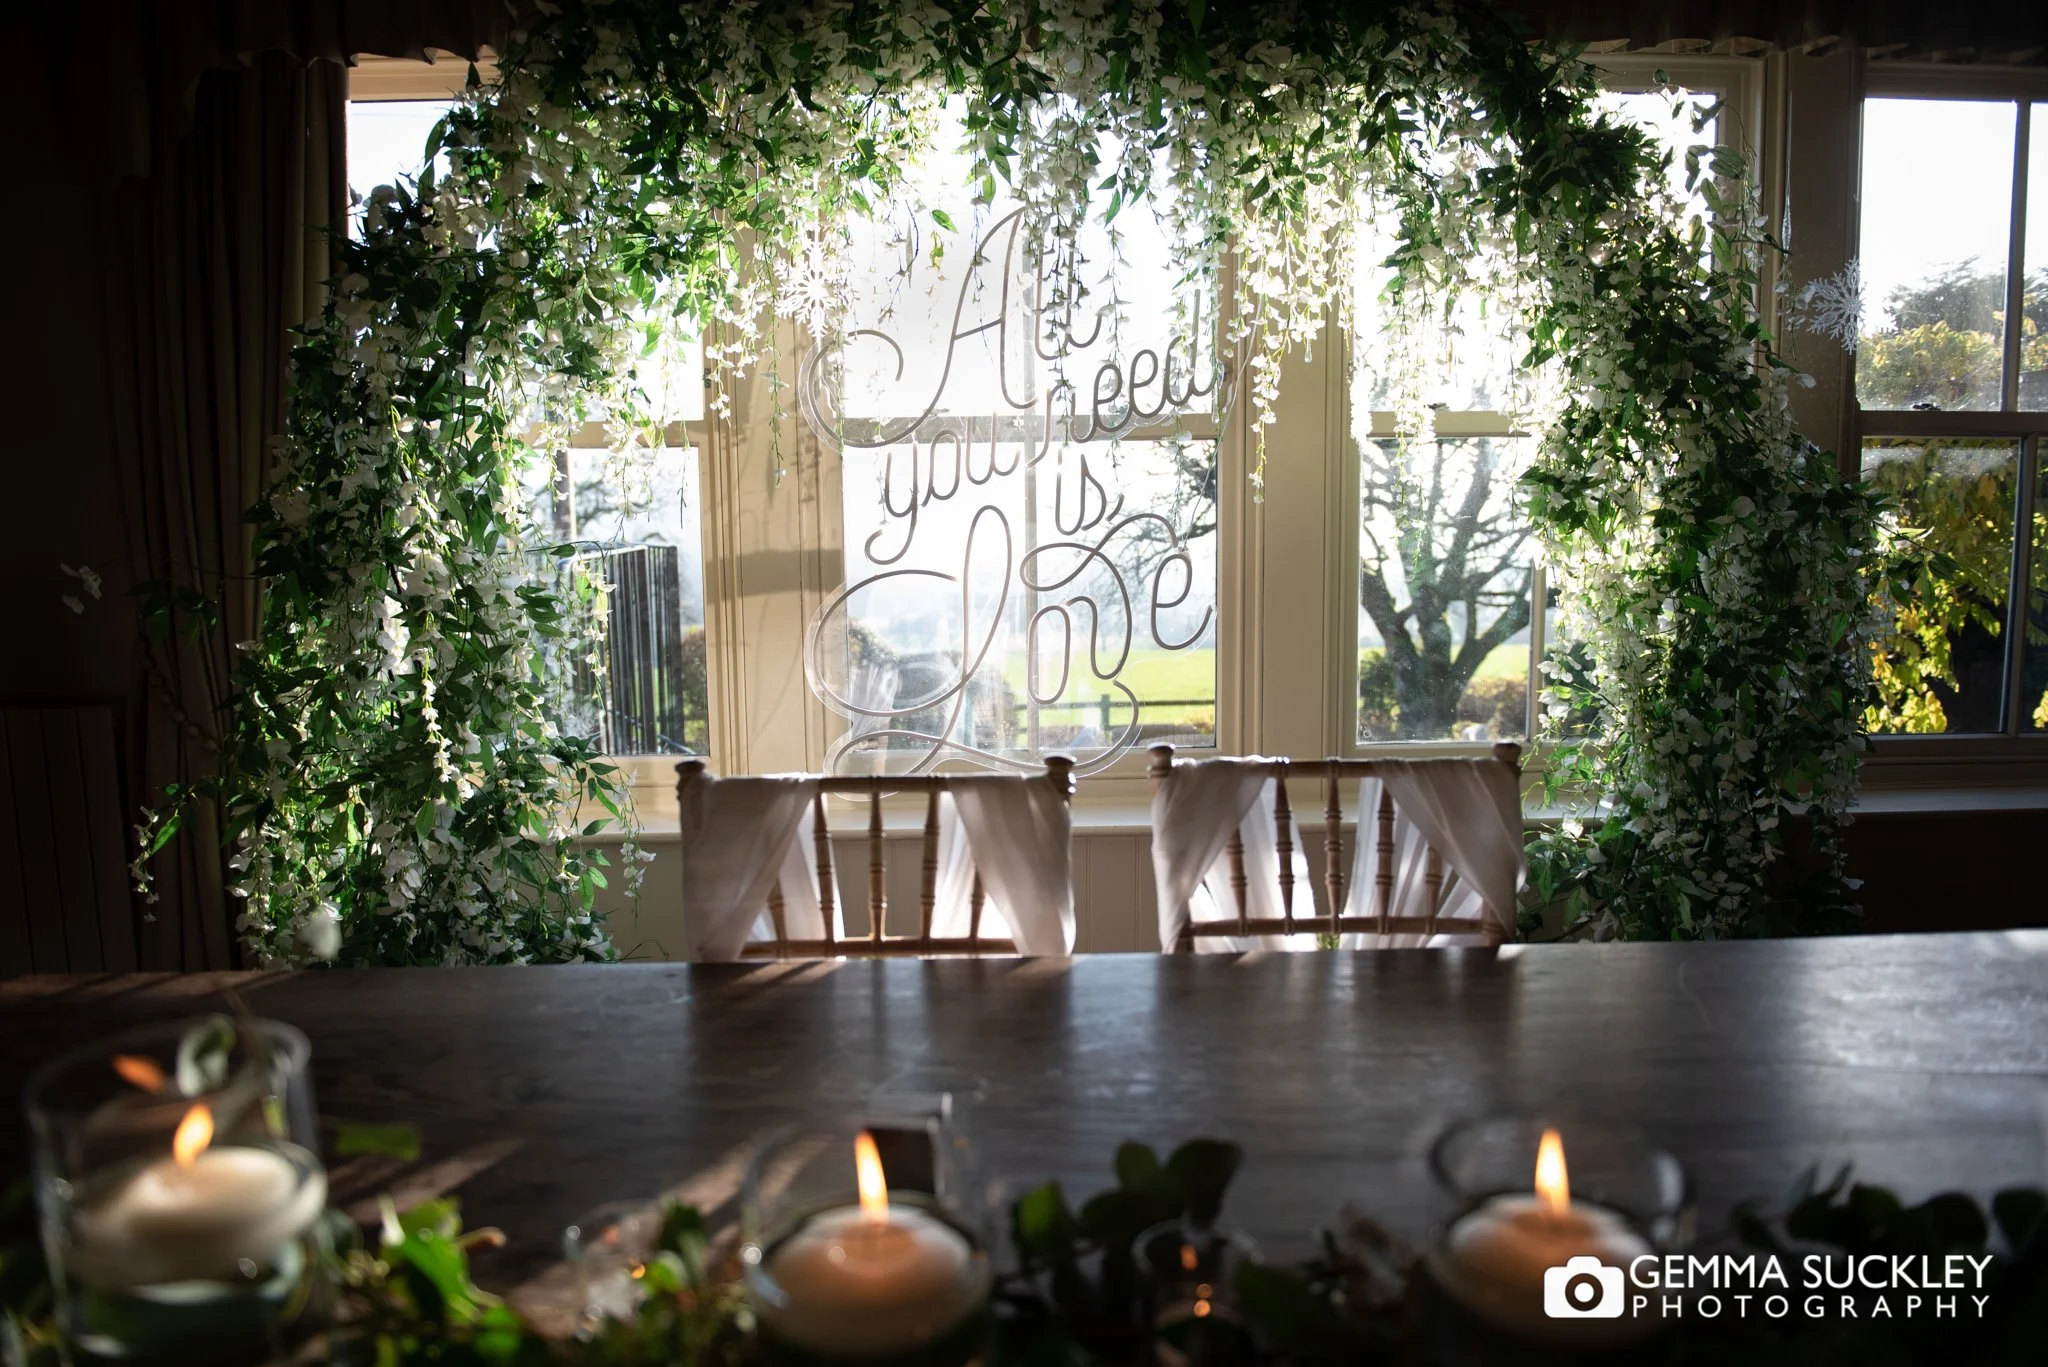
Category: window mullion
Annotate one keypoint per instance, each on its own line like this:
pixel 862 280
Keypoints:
pixel 2016 261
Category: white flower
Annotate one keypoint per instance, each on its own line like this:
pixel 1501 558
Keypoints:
pixel 85 576
pixel 320 931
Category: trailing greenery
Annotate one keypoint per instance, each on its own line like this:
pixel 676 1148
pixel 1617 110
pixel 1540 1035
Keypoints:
pixel 398 786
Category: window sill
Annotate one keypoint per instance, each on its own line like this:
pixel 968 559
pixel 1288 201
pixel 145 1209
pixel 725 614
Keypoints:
pixel 1896 781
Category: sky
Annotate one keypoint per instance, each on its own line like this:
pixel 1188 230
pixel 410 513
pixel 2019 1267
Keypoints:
pixel 1937 191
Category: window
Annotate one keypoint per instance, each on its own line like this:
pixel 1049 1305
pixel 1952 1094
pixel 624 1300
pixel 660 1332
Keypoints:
pixel 387 141
pixel 1447 566
pixel 636 680
pixel 1027 458
pixel 1952 392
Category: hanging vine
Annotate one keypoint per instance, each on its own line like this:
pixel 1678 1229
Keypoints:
pixel 399 789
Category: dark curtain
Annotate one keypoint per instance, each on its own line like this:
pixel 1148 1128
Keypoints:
pixel 212 260
pixel 107 85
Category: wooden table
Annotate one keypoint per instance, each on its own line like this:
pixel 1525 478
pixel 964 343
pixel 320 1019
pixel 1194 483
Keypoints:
pixel 540 1092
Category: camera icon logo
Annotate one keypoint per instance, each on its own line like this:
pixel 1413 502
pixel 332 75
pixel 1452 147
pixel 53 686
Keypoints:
pixel 1583 1289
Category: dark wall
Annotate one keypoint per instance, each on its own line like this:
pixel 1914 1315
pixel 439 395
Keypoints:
pixel 1951 870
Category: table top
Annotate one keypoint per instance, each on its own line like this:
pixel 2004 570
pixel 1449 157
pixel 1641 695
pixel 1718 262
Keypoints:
pixel 543 1091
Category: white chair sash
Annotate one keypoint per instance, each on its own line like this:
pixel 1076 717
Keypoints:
pixel 739 836
pixel 1018 831
pixel 742 836
pixel 1470 813
pixel 1194 811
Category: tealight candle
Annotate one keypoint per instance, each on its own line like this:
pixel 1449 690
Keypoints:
pixel 873 1280
pixel 1495 1259
pixel 194 1215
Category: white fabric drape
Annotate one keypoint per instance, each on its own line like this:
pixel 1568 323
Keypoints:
pixel 739 836
pixel 1194 811
pixel 1018 832
pixel 1470 812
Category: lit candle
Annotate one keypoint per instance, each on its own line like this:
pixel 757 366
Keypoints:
pixel 870 1280
pixel 195 1215
pixel 1494 1259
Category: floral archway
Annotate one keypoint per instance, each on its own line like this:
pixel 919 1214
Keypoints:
pixel 398 784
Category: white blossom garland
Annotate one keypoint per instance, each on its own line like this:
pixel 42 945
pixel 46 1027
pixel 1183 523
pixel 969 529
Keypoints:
pixel 399 786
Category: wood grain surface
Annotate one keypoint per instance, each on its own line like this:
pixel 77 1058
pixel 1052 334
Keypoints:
pixel 543 1091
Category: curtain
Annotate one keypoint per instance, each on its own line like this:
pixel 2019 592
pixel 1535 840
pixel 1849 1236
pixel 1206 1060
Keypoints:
pixel 211 262
pixel 101 88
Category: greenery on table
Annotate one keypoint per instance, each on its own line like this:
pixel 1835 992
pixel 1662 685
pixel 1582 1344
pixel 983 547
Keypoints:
pixel 398 784
pixel 1077 1293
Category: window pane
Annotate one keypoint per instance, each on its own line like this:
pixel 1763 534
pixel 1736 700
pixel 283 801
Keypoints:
pixel 2034 312
pixel 998 610
pixel 1936 224
pixel 387 140
pixel 1943 668
pixel 1444 573
pixel 1668 117
pixel 634 679
pixel 1029 507
pixel 1566 669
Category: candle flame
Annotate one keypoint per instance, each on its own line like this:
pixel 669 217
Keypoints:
pixel 1551 1182
pixel 195 1132
pixel 143 1072
pixel 874 1187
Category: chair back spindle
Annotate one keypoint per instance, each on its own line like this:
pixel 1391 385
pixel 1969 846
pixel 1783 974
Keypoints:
pixel 1283 842
pixel 1383 878
pixel 878 884
pixel 828 880
pixel 1333 846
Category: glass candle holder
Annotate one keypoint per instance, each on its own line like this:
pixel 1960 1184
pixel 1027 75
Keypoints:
pixel 845 1264
pixel 180 1192
pixel 1536 1220
pixel 1188 1272
pixel 609 1248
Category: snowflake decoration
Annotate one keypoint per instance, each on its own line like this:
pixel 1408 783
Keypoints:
pixel 1833 306
pixel 810 290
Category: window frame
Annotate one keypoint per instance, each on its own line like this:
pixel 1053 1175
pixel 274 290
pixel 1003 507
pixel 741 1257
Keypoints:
pixel 2015 753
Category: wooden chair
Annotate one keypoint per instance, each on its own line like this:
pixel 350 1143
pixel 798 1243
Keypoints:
pixel 1336 867
pixel 1059 772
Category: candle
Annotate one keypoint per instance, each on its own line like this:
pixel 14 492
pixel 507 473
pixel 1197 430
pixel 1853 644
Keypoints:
pixel 195 1215
pixel 1496 1260
pixel 871 1280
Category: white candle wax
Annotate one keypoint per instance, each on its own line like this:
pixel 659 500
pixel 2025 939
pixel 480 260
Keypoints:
pixel 1494 1260
pixel 850 1284
pixel 168 1223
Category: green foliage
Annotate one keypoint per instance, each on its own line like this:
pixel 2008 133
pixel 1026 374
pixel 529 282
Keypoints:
pixel 1075 1299
pixel 1078 1284
pixel 398 784
pixel 1950 540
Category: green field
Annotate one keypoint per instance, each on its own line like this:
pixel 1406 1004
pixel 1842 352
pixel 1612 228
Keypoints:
pixel 1191 674
pixel 1163 674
